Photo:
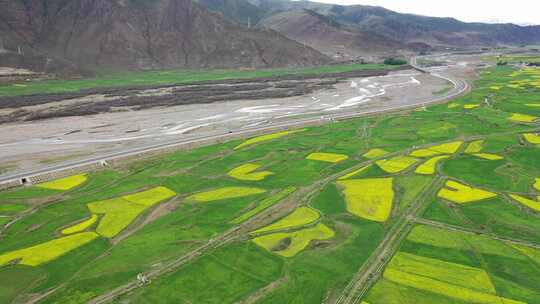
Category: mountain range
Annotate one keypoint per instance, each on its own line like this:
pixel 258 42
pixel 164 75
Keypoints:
pixel 369 24
pixel 102 35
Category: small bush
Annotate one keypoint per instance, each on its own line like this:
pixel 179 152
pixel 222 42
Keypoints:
pixel 395 61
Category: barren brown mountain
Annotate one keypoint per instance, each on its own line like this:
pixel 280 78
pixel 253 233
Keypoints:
pixel 137 34
pixel 330 37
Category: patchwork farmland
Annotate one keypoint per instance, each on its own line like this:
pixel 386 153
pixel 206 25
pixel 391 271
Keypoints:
pixel 436 205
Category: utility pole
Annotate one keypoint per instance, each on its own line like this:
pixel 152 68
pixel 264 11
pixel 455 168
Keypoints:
pixel 249 22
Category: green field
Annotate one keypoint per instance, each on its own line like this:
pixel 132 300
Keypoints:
pixel 301 234
pixel 164 77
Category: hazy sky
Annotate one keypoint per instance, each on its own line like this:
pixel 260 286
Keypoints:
pixel 515 11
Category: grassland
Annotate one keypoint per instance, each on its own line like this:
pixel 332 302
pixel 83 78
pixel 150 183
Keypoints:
pixel 317 222
pixel 151 78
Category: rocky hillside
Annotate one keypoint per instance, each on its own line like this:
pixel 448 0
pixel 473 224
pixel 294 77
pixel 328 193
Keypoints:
pixel 330 37
pixel 138 34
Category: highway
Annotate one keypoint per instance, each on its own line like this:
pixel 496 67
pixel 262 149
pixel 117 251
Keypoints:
pixel 460 87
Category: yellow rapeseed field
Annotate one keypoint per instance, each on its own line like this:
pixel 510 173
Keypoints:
pixel 64 183
pixel 532 138
pixel 533 105
pixel 522 118
pixel 225 193
pixel 428 168
pixel 459 193
pixel 471 106
pixel 448 148
pixel 81 226
pixel 537 184
pixel 488 156
pixel 118 213
pixel 445 289
pixel 299 217
pixel 535 205
pixel 456 274
pixel 327 157
pixel 150 197
pixel 424 153
pixel 532 253
pixel 496 88
pixel 245 172
pixel 355 172
pixel 453 105
pixel 299 240
pixel 46 252
pixel 396 164
pixel 443 238
pixel 370 199
pixel 264 138
pixel 474 147
pixel 375 153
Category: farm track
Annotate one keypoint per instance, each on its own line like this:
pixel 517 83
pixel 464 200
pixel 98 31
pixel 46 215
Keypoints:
pixel 372 268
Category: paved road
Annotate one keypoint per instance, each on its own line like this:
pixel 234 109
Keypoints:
pixel 460 87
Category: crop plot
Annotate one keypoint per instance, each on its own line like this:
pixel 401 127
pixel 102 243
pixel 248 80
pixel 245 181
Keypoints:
pixel 150 197
pixel 300 217
pixel 448 148
pixel 327 157
pixel 265 138
pixel 64 184
pixel 369 198
pixel 264 204
pixel 471 106
pixel 432 267
pixel 355 172
pixel 488 156
pixel 375 153
pixel 118 213
pixel 396 164
pixel 428 167
pixel 533 204
pixel 46 252
pixel 461 194
pixel 524 118
pixel 532 138
pixel 225 193
pixel 80 227
pixel 290 244
pixel 246 172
